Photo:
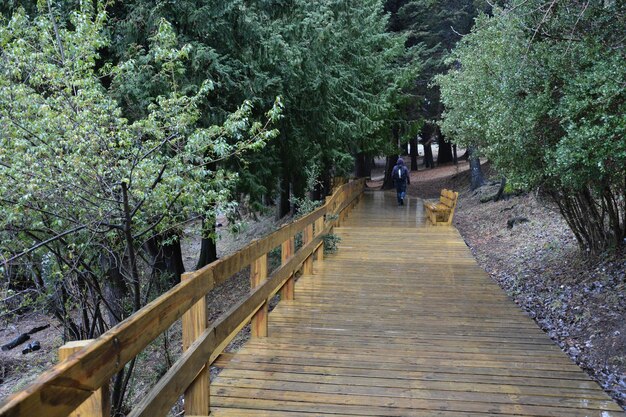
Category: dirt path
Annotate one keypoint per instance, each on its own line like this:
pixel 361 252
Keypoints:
pixel 427 183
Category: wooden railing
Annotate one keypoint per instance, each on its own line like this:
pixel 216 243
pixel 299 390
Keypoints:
pixel 62 389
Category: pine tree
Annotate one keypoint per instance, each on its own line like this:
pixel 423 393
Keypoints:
pixel 332 63
pixel 435 27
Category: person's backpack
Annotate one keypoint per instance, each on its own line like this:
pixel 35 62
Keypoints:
pixel 398 173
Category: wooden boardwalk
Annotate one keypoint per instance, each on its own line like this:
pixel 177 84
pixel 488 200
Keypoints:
pixel 402 322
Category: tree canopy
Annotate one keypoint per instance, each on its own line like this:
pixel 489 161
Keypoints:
pixel 540 88
pixel 332 62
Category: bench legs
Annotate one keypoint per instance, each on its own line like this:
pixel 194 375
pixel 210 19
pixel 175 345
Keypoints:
pixel 432 217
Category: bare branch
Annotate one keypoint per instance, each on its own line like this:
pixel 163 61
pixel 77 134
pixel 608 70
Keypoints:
pixel 44 243
pixel 56 33
pixel 30 207
pixel 456 32
pixel 543 20
pixel 577 21
pixel 156 182
pixel 161 217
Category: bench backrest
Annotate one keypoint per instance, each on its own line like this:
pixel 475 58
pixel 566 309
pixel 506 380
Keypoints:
pixel 448 198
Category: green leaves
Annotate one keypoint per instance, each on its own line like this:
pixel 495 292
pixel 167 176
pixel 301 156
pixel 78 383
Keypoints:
pixel 335 68
pixel 541 91
pixel 546 113
pixel 76 173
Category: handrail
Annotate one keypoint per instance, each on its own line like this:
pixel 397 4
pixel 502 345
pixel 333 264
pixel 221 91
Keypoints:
pixel 60 390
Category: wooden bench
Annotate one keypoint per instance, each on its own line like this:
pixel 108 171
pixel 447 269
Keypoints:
pixel 441 212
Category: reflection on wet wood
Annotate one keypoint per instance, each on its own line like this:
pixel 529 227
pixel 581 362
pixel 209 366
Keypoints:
pixel 402 322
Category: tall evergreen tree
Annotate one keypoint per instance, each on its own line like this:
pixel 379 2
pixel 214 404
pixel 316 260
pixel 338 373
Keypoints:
pixel 435 27
pixel 332 62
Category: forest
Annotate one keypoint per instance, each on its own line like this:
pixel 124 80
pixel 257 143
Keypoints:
pixel 122 123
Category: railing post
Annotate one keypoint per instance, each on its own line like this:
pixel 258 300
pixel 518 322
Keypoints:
pixel 319 228
pixel 342 200
pixel 194 321
pixel 99 404
pixel 307 236
pixel 286 252
pixel 258 273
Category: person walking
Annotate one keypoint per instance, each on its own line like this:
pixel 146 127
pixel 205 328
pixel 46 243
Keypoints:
pixel 400 175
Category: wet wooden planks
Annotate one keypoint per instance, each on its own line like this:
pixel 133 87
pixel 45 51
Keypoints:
pixel 402 322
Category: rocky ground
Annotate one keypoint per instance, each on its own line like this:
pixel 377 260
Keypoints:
pixel 17 369
pixel 578 300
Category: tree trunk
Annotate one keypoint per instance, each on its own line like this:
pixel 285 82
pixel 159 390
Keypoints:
pixel 174 259
pixel 284 203
pixel 388 181
pixel 445 150
pixel 208 246
pixel 167 260
pixel 477 178
pixel 114 289
pixel 362 166
pixel 117 396
pixel 454 155
pixel 426 135
pixel 414 155
pixel 325 181
pixel 586 214
pixel 116 292
pixel 500 192
pixel 429 161
pixel 392 159
pixel 284 206
pixel 298 186
pixel 369 162
pixel 130 249
pixel 318 191
pixel 208 252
